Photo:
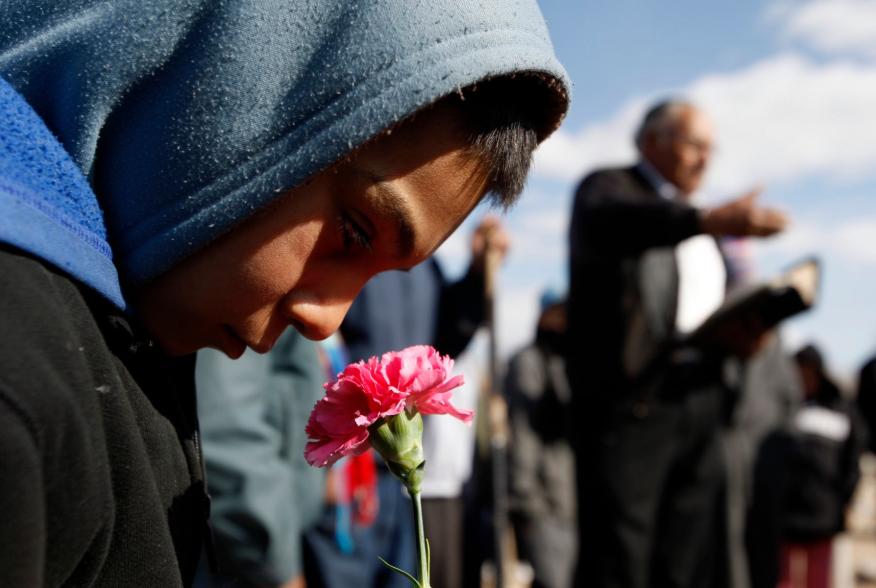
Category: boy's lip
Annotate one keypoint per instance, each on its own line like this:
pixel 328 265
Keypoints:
pixel 234 345
pixel 268 341
pixel 264 345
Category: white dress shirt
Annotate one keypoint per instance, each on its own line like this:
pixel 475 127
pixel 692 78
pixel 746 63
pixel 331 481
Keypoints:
pixel 702 277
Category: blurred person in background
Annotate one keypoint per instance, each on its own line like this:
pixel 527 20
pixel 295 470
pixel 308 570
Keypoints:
pixel 541 468
pixel 826 445
pixel 866 400
pixel 393 311
pixel 866 403
pixel 767 396
pixel 804 478
pixel 253 411
pixel 645 269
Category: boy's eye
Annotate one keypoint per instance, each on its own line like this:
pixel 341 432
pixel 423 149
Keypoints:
pixel 353 235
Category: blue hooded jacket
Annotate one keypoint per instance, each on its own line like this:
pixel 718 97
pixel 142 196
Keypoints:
pixel 184 117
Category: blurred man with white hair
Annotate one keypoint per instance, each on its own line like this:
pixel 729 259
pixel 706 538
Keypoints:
pixel 646 269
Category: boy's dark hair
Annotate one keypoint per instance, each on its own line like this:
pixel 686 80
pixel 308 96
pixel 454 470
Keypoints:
pixel 505 118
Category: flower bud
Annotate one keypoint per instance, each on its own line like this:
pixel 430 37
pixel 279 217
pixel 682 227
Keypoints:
pixel 399 440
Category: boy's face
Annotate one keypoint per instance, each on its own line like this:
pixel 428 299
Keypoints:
pixel 302 261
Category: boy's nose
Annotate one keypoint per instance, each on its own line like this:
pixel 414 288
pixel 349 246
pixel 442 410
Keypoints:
pixel 317 320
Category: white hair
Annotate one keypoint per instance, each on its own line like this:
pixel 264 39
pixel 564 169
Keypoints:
pixel 661 118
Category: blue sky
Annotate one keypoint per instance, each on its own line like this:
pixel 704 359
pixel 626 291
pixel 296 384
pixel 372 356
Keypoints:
pixel 792 89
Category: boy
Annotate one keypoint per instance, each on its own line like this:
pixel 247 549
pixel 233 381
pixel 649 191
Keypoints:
pixel 180 174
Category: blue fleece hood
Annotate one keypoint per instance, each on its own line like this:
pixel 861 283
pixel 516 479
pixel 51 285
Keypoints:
pixel 185 117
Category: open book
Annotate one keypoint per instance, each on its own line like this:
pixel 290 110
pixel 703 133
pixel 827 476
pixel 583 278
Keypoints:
pixel 767 303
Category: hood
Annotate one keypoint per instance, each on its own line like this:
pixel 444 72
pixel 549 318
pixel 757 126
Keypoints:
pixel 47 207
pixel 187 116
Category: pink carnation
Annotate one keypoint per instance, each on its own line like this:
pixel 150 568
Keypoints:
pixel 416 378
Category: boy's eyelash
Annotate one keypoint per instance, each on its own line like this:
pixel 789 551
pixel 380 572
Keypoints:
pixel 352 234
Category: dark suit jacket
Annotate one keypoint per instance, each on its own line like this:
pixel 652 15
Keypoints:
pixel 867 400
pixel 623 285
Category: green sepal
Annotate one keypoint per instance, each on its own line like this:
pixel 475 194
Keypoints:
pixel 399 440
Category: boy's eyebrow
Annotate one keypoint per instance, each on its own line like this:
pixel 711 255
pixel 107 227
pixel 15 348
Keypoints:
pixel 389 202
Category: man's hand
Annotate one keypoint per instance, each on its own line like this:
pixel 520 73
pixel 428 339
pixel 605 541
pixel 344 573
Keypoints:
pixel 742 217
pixel 489 230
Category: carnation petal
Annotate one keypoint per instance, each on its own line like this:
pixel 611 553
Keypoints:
pixel 440 404
pixel 326 451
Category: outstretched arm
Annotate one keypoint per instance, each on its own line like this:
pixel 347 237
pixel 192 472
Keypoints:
pixel 610 222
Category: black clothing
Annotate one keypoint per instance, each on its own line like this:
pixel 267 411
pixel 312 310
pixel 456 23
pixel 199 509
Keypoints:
pixel 99 452
pixel 803 482
pixel 867 400
pixel 648 461
pixel 769 396
pixel 541 462
pixel 623 281
pixel 541 477
pixel 443 518
pixel 823 472
pixel 397 309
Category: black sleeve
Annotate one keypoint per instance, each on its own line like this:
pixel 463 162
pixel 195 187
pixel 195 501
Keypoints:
pixel 851 456
pixel 22 533
pixel 461 311
pixel 608 221
pixel 867 401
pixel 524 386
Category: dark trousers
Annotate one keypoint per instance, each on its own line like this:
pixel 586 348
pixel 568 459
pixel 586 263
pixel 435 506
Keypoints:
pixel 390 537
pixel 550 545
pixel 650 482
pixel 442 518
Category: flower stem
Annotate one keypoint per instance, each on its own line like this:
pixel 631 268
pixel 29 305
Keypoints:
pixel 422 553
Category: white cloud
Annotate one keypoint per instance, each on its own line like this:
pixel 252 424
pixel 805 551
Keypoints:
pixel 548 221
pixel 780 119
pixel 831 26
pixel 851 240
pixel 567 155
pixel 539 235
pixel 786 118
pixel 856 241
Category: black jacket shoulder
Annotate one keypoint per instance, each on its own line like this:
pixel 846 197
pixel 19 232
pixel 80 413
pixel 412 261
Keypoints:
pixel 617 214
pixel 624 183
pixel 99 473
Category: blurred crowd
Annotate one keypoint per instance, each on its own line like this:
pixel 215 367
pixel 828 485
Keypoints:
pixel 640 454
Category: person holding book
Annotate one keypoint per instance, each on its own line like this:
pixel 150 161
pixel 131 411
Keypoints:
pixel 177 175
pixel 646 270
